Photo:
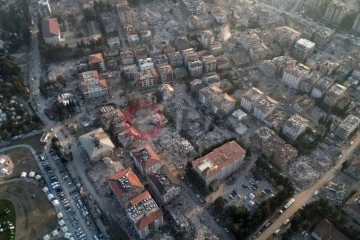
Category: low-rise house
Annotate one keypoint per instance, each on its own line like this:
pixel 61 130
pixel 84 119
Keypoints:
pixel 334 94
pixel 96 144
pixel 127 57
pixel 321 86
pixel 163 184
pixel 175 59
pixel 96 62
pixel 303 104
pixel 251 97
pixel 91 86
pixel 293 75
pixel 325 230
pixel 51 31
pixel 295 126
pixel 146 79
pixel 264 107
pixel 145 159
pixel 166 73
pixel 140 207
pixel 209 63
pixel 352 207
pixel 347 126
pixel 216 100
pixel 220 163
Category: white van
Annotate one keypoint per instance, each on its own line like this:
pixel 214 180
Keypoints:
pixel 276 232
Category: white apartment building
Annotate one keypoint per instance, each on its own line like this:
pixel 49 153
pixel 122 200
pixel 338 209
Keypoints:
pixel 293 75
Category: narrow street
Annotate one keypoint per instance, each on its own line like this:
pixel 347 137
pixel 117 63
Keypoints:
pixel 303 197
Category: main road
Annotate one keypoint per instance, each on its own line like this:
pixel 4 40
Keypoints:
pixel 303 197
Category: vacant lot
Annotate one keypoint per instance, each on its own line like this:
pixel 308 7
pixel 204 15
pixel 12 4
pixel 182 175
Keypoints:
pixel 23 161
pixel 35 216
pixel 5 217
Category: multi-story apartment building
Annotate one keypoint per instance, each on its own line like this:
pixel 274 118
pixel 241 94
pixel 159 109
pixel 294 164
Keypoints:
pixel 293 75
pixel 334 94
pixel 127 57
pixel 96 62
pixel 163 184
pixel 306 85
pixel 206 38
pixel 321 86
pixel 146 79
pixel 191 7
pixel 322 37
pixel 264 107
pixel 160 60
pixel 91 86
pixel 216 49
pixel 302 49
pixel 252 96
pixel 220 163
pixel 335 12
pixel 96 144
pixel 295 126
pixel 140 207
pixel 303 104
pixel 347 126
pixel 145 64
pixel 195 68
pixel 216 100
pixel 145 159
pixel 175 59
pixel 166 73
pixel 210 63
pixel 124 11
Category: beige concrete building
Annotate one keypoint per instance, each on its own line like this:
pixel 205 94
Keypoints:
pixel 97 144
pixel 220 163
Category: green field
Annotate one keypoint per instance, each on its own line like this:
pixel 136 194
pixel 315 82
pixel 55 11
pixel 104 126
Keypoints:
pixel 7 234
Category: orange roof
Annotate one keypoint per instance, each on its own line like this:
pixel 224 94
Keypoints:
pixel 50 27
pixel 131 176
pixel 102 83
pixel 139 198
pixel 95 58
pixel 146 161
pixel 148 219
pixel 219 158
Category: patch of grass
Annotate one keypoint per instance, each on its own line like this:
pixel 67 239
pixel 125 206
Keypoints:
pixel 33 141
pixel 7 206
pixel 23 161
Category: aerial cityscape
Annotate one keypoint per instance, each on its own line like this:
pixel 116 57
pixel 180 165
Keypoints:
pixel 179 119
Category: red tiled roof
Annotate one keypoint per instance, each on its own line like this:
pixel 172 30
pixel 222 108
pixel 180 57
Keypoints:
pixel 139 198
pixel 102 83
pixel 133 179
pixel 50 27
pixel 149 219
pixel 95 58
pixel 152 160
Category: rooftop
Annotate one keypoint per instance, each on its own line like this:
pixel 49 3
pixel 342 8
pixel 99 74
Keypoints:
pixel 95 58
pixel 266 104
pixel 219 158
pixel 304 43
pixel 217 97
pixel 50 28
pixel 96 143
pixel 350 123
pixel 298 70
pixel 324 83
pixel 337 90
pixel 326 230
pixel 145 156
pixel 161 181
pixel 296 121
pixel 253 94
pixel 125 184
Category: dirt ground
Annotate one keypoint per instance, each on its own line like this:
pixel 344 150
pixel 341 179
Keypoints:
pixel 35 216
pixel 23 161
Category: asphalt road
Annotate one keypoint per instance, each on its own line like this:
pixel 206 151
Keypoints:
pixel 303 197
